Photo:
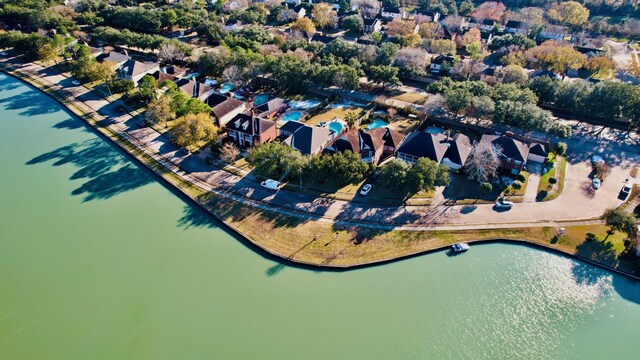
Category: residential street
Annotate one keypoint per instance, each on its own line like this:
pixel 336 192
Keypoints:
pixel 576 203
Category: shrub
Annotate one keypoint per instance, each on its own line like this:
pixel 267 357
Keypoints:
pixel 553 180
pixel 591 237
pixel 517 185
pixel 521 177
pixel 486 187
pixel 560 148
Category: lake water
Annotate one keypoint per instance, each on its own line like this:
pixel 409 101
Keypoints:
pixel 100 261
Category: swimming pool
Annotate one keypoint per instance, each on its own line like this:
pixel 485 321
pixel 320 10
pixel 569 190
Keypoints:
pixel 260 99
pixel 295 115
pixel 304 104
pixel 377 123
pixel 226 88
pixel 336 127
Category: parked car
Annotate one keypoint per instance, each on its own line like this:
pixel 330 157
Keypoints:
pixel 366 189
pixel 460 247
pixel 595 159
pixel 504 204
pixel 596 183
pixel 4 53
pixel 271 184
pixel 625 191
pixel 75 82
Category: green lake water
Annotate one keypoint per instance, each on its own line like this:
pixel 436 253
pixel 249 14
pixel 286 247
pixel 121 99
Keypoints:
pixel 100 261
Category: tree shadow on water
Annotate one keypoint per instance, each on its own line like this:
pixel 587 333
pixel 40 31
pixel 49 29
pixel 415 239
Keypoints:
pixel 70 124
pixel 107 171
pixel 30 103
pixel 194 217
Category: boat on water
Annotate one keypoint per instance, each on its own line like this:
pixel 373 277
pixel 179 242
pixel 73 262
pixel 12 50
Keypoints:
pixel 460 247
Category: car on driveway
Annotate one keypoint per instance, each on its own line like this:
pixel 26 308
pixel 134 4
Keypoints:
pixel 504 204
pixel 75 82
pixel 625 191
pixel 366 189
pixel 4 53
pixel 596 183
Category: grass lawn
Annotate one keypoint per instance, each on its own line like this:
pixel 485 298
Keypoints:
pixel 465 191
pixel 519 192
pixel 405 125
pixel 548 191
pixel 331 113
pixel 411 98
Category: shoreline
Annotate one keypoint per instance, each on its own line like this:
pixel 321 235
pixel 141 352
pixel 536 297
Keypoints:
pixel 193 193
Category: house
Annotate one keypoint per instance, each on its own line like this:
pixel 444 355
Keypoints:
pixel 194 89
pixel 371 145
pixel 514 153
pixel 486 37
pixel 115 57
pixel 294 2
pixel 297 11
pixel 439 61
pixel 544 72
pixel 553 32
pixel 288 129
pixel 135 70
pixel 427 16
pixel 371 26
pixel 225 108
pixel 590 48
pixel 515 27
pixel 487 24
pixel 309 140
pixel 247 130
pixel 233 25
pixel 269 109
pixel 321 38
pixel 421 144
pixel 171 73
pixel 393 13
pixel 458 152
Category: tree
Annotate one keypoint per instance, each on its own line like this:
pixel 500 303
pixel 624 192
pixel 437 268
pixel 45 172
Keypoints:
pixel 555 57
pixel 474 49
pixel 229 152
pixel 481 107
pixel 191 129
pixel 268 159
pixel 400 27
pixel 148 86
pixel 353 23
pixel 471 36
pixel 386 53
pixel 411 60
pixel 386 75
pixel 347 168
pixel 169 18
pixel 619 220
pixel 483 163
pixel 393 175
pixel 294 163
pixel 544 87
pixel 485 187
pixel 159 111
pixel 376 36
pixel 170 53
pixel 489 10
pixel 569 13
pixel 513 74
pixel 351 118
pixel 304 25
pixel 457 99
pixel 430 31
pixel 121 86
pixel 324 16
pixel 424 175
pixel 443 47
pixel 599 64
pixel 211 63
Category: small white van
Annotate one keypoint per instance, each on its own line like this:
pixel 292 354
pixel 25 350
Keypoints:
pixel 271 184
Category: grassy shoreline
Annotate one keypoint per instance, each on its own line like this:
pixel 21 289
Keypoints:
pixel 325 244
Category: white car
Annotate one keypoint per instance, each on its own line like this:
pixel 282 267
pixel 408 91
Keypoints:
pixel 75 82
pixel 366 189
pixel 4 53
pixel 460 247
pixel 596 183
pixel 504 204
pixel 271 184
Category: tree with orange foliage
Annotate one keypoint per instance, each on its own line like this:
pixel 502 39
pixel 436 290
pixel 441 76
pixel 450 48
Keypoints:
pixel 491 10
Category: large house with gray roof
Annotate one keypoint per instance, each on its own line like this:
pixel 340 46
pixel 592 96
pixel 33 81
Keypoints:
pixel 309 140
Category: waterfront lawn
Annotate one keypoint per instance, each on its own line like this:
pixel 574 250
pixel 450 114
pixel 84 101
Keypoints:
pixel 464 191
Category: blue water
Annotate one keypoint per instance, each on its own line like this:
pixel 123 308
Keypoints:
pixel 304 104
pixel 336 127
pixel 377 123
pixel 226 88
pixel 260 99
pixel 292 115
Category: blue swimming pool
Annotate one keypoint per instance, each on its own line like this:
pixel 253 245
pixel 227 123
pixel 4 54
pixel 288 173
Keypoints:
pixel 377 123
pixel 226 88
pixel 260 99
pixel 295 115
pixel 336 127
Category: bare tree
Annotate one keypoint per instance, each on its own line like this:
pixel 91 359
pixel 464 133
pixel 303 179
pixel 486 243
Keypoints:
pixel 233 74
pixel 170 52
pixel 453 22
pixel 368 8
pixel 413 58
pixel 229 152
pixel 483 162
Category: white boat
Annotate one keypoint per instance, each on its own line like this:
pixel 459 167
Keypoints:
pixel 460 247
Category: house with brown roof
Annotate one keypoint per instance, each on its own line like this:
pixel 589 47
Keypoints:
pixel 171 73
pixel 248 131
pixel 514 153
pixel 269 109
pixel 372 145
pixel 224 108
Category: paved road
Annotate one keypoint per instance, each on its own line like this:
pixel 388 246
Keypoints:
pixel 574 204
